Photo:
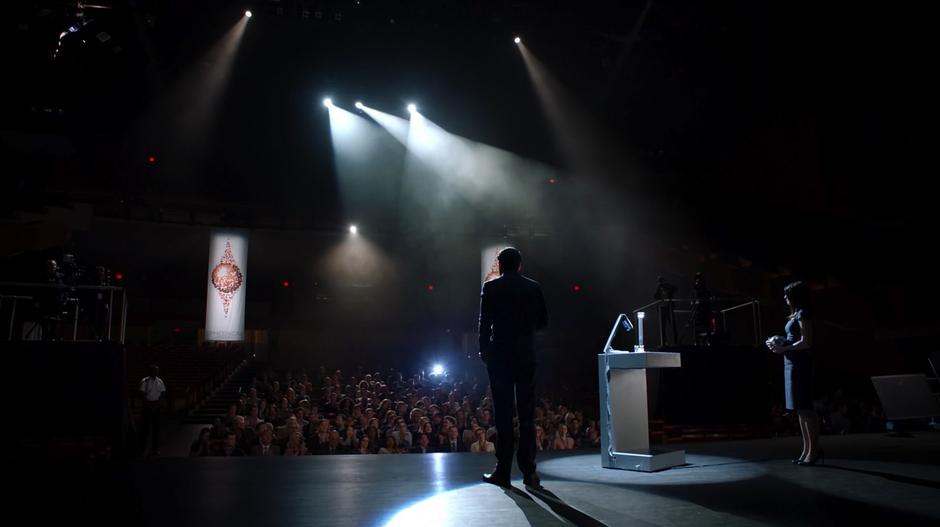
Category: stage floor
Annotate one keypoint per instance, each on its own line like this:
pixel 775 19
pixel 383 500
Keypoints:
pixel 872 478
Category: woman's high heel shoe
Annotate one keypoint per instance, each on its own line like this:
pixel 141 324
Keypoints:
pixel 821 458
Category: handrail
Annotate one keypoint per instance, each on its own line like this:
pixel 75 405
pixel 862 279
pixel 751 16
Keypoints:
pixel 669 306
pixel 73 305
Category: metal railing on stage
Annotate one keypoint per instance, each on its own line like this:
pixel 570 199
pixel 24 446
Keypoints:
pixel 698 315
pixel 39 307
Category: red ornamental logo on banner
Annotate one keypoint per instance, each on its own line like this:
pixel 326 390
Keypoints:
pixel 227 277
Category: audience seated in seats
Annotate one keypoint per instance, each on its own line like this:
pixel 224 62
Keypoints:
pixel 574 430
pixel 423 446
pixel 402 435
pixel 266 446
pixel 539 439
pixel 334 413
pixel 332 445
pixel 218 430
pixel 203 445
pixel 229 419
pixel 349 441
pixel 390 446
pixel 592 438
pixel 364 446
pixel 295 445
pixel 562 440
pixel 230 447
pixel 481 445
pixel 453 443
pixel 245 436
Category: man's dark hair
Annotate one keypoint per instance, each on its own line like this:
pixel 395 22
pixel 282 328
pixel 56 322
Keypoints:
pixel 509 259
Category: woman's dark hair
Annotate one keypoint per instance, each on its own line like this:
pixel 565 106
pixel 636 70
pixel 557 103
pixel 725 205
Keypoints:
pixel 798 293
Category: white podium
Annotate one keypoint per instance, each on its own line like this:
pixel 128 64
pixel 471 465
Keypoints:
pixel 624 426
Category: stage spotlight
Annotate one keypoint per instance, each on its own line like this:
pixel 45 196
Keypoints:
pixel 437 369
pixel 359 105
pixel 327 102
pixel 248 14
pixel 353 229
pixel 517 40
pixel 412 108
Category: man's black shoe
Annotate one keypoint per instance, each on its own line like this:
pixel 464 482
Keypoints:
pixel 497 479
pixel 532 481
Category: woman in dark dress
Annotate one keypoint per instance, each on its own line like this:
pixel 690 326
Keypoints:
pixel 796 348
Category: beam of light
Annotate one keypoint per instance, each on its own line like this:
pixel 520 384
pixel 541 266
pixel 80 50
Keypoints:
pixel 573 133
pixel 187 113
pixel 480 173
pixel 627 47
pixel 454 184
pixel 205 86
pixel 448 508
pixel 517 40
pixel 357 262
pixel 606 175
pixel 363 154
pixel 392 124
pixel 248 14
pixel 459 185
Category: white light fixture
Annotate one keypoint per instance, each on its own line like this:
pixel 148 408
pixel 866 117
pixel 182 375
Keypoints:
pixel 640 317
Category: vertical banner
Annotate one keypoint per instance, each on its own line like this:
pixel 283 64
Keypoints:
pixel 488 264
pixel 225 300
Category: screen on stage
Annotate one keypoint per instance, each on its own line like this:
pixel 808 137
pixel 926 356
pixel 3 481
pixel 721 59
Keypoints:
pixel 225 299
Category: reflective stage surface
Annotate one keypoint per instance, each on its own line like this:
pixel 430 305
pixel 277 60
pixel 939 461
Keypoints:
pixel 868 477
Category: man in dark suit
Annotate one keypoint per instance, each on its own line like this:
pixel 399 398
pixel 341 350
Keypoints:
pixel 512 309
pixel 453 442
pixel 266 446
pixel 331 447
pixel 230 447
pixel 423 446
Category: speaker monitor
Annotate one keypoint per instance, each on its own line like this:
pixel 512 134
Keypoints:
pixel 906 396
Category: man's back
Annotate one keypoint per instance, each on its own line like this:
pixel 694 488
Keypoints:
pixel 511 307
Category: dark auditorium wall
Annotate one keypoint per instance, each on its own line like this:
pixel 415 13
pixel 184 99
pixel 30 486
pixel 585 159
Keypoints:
pixel 392 316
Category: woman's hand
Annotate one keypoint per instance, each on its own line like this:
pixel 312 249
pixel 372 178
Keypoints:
pixel 776 344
